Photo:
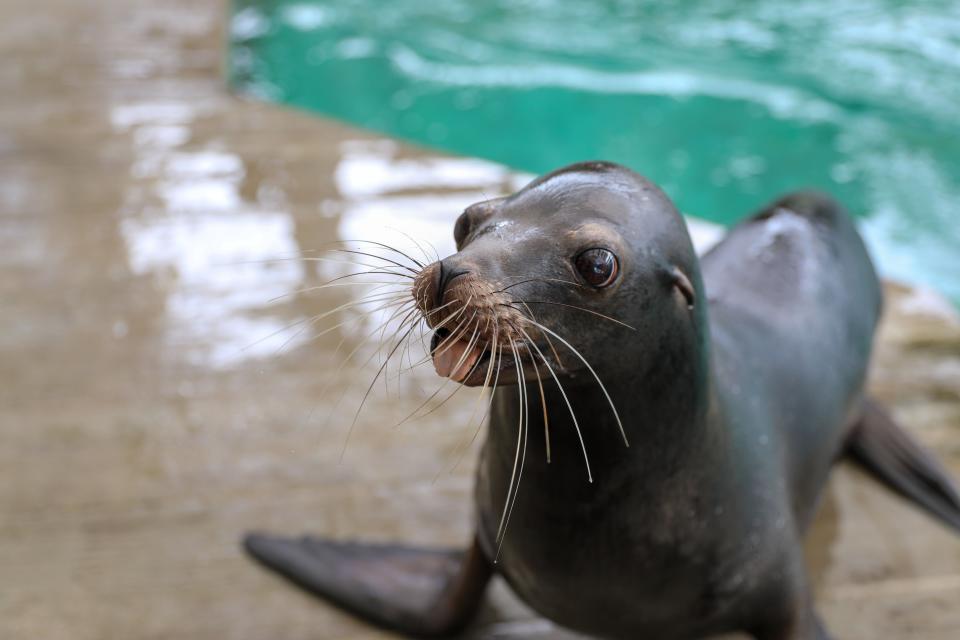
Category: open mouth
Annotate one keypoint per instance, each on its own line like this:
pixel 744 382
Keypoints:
pixel 465 363
pixel 456 360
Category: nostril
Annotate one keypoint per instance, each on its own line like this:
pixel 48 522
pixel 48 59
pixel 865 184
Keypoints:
pixel 453 275
pixel 446 276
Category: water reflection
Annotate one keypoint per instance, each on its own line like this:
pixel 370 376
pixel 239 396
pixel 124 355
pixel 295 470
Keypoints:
pixel 201 242
pixel 211 266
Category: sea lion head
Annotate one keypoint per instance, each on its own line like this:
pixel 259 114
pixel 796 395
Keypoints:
pixel 587 267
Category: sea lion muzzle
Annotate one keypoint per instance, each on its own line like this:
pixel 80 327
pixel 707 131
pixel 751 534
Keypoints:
pixel 471 318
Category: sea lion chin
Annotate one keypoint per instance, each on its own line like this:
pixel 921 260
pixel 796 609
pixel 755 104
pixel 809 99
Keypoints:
pixel 582 294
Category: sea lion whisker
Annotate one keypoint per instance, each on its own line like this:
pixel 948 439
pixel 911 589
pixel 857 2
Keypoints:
pixel 324 332
pixel 446 341
pixel 426 315
pixel 310 319
pixel 543 400
pixel 401 308
pixel 573 306
pixel 416 321
pixel 440 325
pixel 498 356
pixel 516 457
pixel 414 365
pixel 383 332
pixel 390 248
pixel 463 356
pixel 376 257
pixel 474 339
pixel 603 388
pixel 391 298
pixel 526 439
pixel 336 375
pixel 566 400
pixel 314 259
pixel 456 390
pixel 513 488
pixel 461 329
pixel 424 325
pixel 386 269
pixel 410 316
pixel 426 255
pixel 516 284
pixel 331 247
pixel 382 271
pixel 406 353
pixel 458 453
pixel 346 441
pixel 415 316
pixel 377 284
pixel 550 344
pixel 378 289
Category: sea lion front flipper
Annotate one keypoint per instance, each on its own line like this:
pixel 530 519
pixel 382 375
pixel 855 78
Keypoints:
pixel 889 453
pixel 420 592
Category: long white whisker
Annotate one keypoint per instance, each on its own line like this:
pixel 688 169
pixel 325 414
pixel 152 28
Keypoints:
pixel 356 416
pixel 543 401
pixel 470 345
pixel 390 248
pixel 330 285
pixel 376 257
pixel 497 355
pixel 414 241
pixel 572 306
pixel 447 380
pixel 360 345
pixel 516 462
pixel 595 377
pixel 391 301
pixel 365 300
pixel 352 263
pixel 563 393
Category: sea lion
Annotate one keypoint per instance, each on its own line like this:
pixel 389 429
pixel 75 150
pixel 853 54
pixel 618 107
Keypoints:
pixel 737 380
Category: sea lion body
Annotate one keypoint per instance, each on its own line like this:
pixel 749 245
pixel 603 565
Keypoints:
pixel 738 382
pixel 706 509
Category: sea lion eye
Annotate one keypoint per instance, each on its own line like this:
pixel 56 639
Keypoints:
pixel 598 267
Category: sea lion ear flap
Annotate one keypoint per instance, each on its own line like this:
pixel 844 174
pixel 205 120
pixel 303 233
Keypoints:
pixel 680 281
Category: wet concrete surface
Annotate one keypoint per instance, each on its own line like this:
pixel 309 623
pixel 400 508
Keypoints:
pixel 153 406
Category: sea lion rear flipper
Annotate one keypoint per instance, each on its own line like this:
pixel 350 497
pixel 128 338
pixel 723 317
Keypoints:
pixel 420 592
pixel 890 454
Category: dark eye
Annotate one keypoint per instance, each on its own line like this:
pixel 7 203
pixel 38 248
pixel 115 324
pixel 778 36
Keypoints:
pixel 597 266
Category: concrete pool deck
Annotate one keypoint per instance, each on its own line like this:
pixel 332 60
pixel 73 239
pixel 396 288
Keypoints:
pixel 145 425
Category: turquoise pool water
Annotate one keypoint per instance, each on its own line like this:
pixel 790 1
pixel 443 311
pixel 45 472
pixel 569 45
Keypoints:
pixel 725 103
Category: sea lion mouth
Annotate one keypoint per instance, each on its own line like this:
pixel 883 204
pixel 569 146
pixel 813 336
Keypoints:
pixel 454 359
pixel 479 335
pixel 469 363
